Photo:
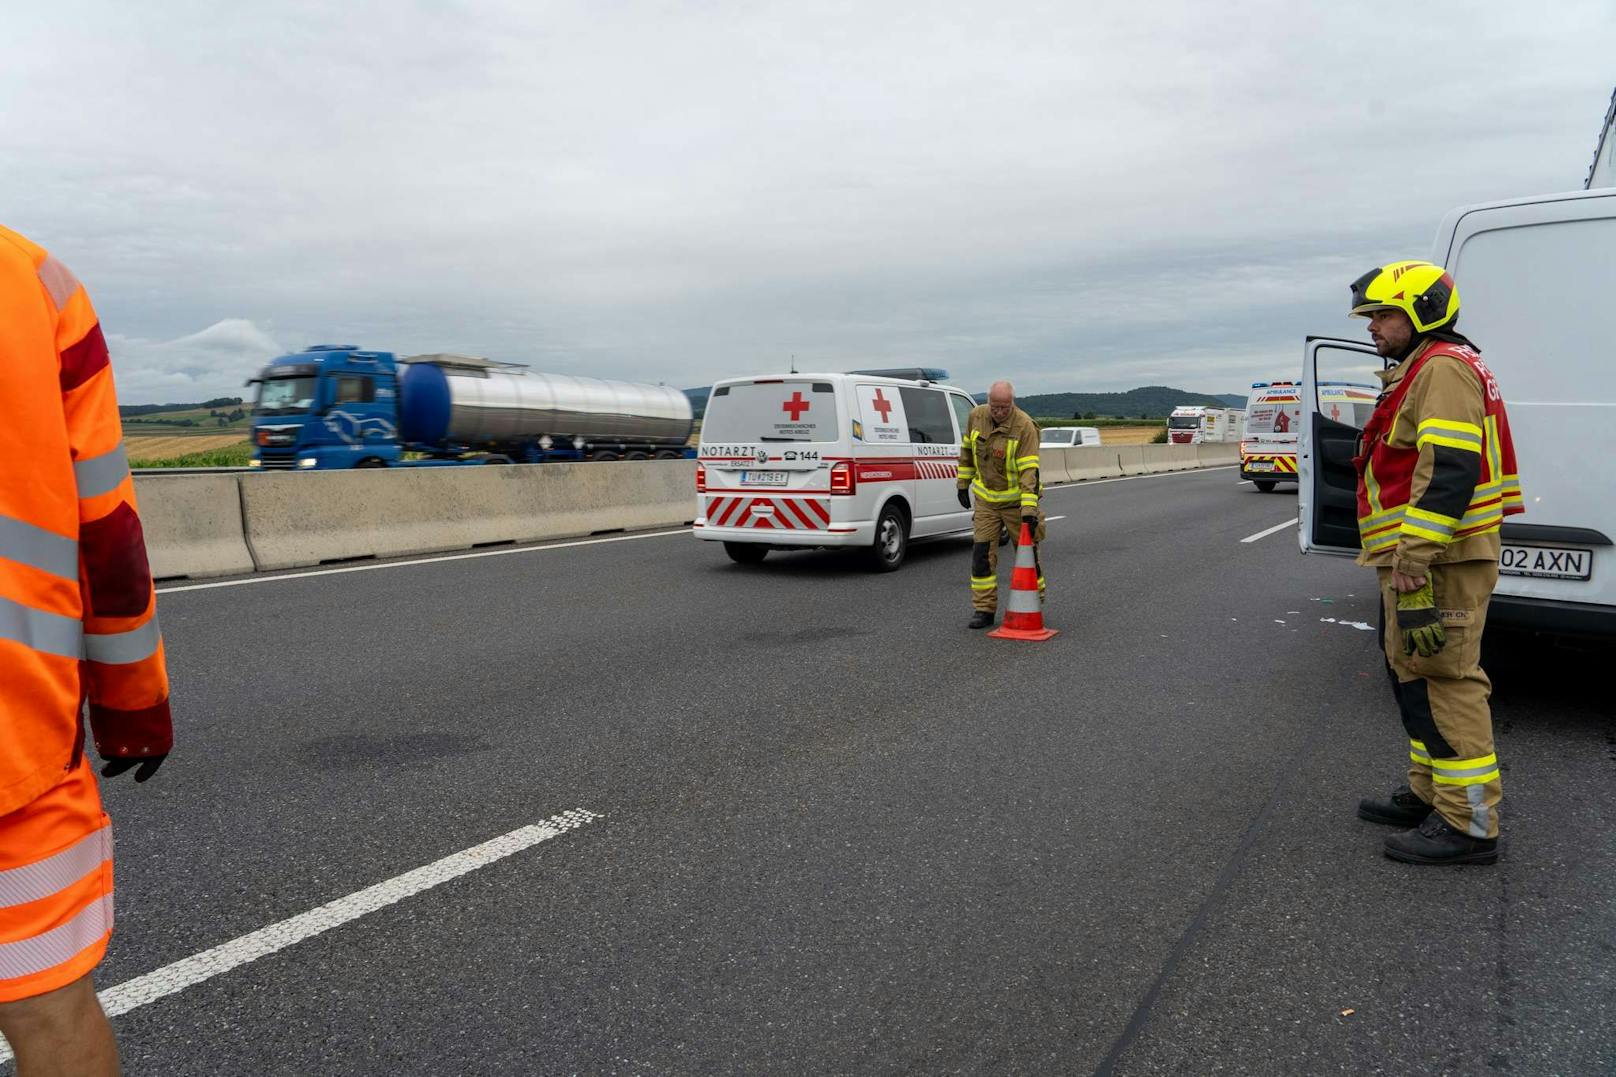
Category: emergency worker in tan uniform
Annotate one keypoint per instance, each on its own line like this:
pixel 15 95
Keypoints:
pixel 999 464
pixel 1436 477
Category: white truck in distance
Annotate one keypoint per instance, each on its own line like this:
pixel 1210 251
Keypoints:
pixel 1193 425
pixel 1535 278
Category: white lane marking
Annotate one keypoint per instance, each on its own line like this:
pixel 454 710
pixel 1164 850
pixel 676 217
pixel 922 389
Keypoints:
pixel 415 561
pixel 191 971
pixel 1052 519
pixel 1269 531
pixel 1129 478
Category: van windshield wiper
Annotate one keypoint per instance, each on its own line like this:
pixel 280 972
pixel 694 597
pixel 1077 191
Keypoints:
pixel 784 439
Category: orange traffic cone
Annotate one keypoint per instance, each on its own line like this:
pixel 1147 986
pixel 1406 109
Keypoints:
pixel 1024 614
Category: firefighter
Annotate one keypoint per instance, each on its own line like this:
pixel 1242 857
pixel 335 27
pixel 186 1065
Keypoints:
pixel 1436 477
pixel 77 624
pixel 999 464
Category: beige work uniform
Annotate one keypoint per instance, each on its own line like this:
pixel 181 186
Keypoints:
pixel 1443 699
pixel 999 464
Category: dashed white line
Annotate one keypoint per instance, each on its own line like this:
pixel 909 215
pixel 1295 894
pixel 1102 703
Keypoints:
pixel 1269 531
pixel 190 971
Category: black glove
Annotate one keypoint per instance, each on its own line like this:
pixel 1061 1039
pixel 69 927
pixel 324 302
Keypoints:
pixel 1032 526
pixel 965 497
pixel 148 766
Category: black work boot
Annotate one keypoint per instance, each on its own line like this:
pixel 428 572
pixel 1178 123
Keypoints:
pixel 981 619
pixel 1435 842
pixel 1403 808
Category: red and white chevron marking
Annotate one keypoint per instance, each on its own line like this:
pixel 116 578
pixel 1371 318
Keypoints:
pixel 768 513
pixel 936 469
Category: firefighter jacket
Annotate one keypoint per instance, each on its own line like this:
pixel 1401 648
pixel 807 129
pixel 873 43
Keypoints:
pixel 77 606
pixel 1436 466
pixel 999 461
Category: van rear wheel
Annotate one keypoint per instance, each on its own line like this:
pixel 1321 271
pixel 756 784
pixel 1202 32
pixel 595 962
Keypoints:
pixel 1264 485
pixel 746 553
pixel 891 540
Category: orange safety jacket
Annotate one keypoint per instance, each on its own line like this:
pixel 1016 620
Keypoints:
pixel 78 611
pixel 1433 475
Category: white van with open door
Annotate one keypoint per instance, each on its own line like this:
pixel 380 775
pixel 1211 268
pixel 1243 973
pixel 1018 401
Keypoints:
pixel 830 460
pixel 1536 278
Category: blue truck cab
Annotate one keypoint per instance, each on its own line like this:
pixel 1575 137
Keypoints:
pixel 331 406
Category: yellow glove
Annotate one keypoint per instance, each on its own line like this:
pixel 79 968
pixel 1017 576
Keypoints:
pixel 1420 622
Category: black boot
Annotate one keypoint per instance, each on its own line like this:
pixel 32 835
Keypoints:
pixel 1435 842
pixel 981 619
pixel 1402 808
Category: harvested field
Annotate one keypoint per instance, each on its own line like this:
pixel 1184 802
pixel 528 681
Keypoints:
pixel 163 446
pixel 1128 435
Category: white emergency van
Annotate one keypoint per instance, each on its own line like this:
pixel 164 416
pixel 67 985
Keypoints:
pixel 1068 437
pixel 830 460
pixel 1536 277
pixel 1195 425
pixel 1268 446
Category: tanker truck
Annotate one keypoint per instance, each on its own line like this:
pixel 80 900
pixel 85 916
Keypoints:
pixel 338 406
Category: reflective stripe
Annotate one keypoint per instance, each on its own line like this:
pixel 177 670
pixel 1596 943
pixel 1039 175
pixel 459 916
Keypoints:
pixel 59 945
pixel 48 633
pixel 984 583
pixel 58 280
pixel 1480 815
pixel 123 648
pixel 101 474
pixel 37 548
pixel 1455 435
pixel 1477 771
pixel 1418 754
pixel 56 872
pixel 1025 462
pixel 996 496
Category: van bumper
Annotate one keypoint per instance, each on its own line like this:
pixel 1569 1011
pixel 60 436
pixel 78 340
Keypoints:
pixel 838 534
pixel 1552 617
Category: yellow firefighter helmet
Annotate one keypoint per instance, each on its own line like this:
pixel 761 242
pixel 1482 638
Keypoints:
pixel 1425 292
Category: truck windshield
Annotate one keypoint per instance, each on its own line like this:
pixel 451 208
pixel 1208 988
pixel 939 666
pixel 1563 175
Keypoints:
pixel 1185 422
pixel 284 396
pixel 771 411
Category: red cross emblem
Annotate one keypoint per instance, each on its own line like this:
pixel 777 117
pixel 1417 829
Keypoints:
pixel 795 406
pixel 883 405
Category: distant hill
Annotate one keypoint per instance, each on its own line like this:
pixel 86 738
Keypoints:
pixel 698 399
pixel 225 403
pixel 1150 401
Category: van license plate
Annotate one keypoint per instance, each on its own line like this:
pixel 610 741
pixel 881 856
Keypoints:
pixel 764 478
pixel 1260 465
pixel 1542 561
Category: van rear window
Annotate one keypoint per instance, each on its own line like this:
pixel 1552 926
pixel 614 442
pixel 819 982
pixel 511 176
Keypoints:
pixel 772 411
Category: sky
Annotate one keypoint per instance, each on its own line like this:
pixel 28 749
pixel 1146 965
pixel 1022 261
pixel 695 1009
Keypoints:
pixel 1075 196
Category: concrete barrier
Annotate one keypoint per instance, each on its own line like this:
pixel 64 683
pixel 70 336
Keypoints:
pixel 305 519
pixel 1092 462
pixel 1217 454
pixel 1159 458
pixel 1052 465
pixel 193 525
pixel 1131 458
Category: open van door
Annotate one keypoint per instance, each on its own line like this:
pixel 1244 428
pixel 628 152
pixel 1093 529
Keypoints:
pixel 1339 389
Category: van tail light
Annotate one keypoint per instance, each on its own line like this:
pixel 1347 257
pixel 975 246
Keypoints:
pixel 841 478
pixel 701 479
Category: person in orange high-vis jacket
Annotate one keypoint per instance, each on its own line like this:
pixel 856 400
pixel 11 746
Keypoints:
pixel 78 625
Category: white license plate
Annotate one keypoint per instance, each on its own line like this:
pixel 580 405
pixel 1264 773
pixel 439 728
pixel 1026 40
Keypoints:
pixel 764 478
pixel 1260 465
pixel 1547 562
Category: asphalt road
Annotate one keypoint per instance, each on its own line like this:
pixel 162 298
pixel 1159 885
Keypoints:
pixel 841 834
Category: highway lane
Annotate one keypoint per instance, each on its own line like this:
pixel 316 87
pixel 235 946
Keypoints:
pixel 841 833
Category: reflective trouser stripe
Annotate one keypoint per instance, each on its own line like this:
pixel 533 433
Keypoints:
pixel 35 547
pixel 101 474
pixel 60 944
pixel 1418 754
pixel 56 872
pixel 983 583
pixel 1478 771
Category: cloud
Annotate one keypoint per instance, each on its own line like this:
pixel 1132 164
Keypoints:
pixel 213 362
pixel 679 192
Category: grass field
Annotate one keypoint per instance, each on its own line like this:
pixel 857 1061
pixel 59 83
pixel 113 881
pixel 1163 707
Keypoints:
pixel 217 450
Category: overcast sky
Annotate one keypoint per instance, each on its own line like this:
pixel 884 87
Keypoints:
pixel 1078 196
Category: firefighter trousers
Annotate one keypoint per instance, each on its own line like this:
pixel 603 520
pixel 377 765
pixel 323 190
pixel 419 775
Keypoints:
pixel 986 523
pixel 1443 700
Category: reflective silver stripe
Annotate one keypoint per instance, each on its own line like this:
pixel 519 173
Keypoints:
pixel 58 280
pixel 50 633
pixel 58 945
pixel 37 548
pixel 123 648
pixel 1462 772
pixel 56 872
pixel 1480 814
pixel 101 474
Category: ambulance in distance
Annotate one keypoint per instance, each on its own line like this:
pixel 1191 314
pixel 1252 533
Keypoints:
pixel 1535 278
pixel 863 461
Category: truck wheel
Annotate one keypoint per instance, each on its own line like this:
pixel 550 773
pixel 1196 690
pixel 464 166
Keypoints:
pixel 371 461
pixel 668 454
pixel 637 455
pixel 605 454
pixel 746 553
pixel 891 540
pixel 1264 485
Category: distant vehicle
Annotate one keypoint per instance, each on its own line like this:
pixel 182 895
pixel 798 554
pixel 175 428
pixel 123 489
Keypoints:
pixel 1546 335
pixel 1066 437
pixel 1192 425
pixel 830 460
pixel 1268 446
pixel 338 406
